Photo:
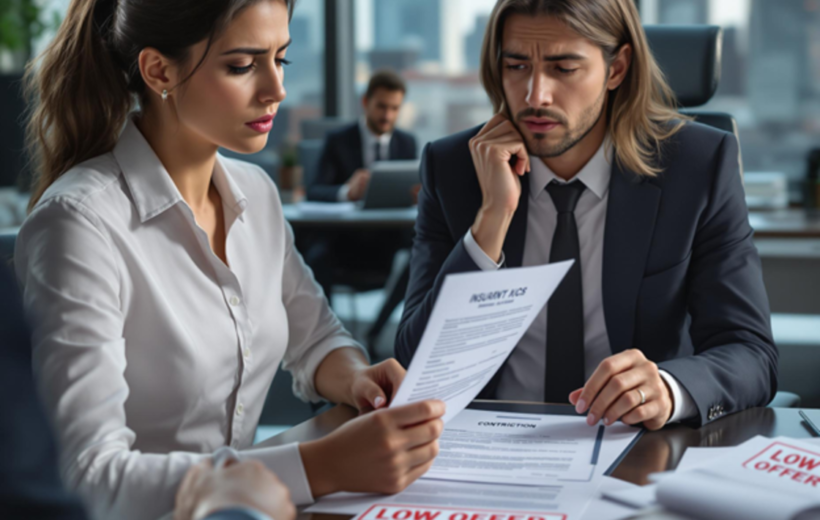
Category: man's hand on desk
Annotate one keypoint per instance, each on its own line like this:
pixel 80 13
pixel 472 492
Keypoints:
pixel 380 452
pixel 357 185
pixel 612 392
pixel 374 387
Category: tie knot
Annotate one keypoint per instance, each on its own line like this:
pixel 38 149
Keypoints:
pixel 565 196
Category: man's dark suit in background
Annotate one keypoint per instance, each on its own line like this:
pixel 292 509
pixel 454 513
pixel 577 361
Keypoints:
pixel 342 155
pixel 681 274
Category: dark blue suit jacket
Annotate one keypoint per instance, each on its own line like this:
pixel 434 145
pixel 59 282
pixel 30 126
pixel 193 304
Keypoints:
pixel 682 279
pixel 342 155
pixel 29 483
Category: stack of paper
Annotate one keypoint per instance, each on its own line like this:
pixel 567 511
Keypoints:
pixel 765 479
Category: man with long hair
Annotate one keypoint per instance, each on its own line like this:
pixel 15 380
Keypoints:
pixel 663 316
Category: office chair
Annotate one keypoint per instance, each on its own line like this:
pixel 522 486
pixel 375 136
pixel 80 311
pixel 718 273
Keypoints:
pixel 690 58
pixel 7 241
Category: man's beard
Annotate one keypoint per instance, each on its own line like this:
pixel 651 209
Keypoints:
pixel 537 146
pixel 376 128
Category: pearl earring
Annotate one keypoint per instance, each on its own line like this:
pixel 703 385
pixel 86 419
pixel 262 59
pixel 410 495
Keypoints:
pixel 164 95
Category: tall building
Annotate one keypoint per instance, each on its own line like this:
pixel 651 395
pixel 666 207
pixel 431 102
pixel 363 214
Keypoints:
pixel 473 41
pixel 409 25
pixel 733 65
pixel 780 67
pixel 683 12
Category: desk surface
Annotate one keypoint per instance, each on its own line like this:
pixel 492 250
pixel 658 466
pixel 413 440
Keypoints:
pixel 655 451
pixel 369 218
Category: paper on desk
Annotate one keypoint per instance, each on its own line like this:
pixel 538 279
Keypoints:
pixel 477 320
pixel 525 449
pixel 765 479
pixel 570 499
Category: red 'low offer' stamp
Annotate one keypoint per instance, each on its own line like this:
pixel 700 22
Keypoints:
pixel 789 463
pixel 406 512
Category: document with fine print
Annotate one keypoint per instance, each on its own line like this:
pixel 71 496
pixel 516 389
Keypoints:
pixel 477 321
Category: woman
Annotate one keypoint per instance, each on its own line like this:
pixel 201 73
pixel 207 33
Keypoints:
pixel 161 279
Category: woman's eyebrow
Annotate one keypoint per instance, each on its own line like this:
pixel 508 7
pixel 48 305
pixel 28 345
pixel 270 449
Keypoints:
pixel 253 51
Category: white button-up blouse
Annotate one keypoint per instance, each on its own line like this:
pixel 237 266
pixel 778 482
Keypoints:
pixel 149 352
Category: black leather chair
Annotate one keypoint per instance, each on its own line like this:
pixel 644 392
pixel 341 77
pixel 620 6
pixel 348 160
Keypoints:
pixel 7 240
pixel 690 57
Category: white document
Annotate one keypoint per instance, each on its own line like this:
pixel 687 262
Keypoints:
pixel 762 479
pixel 602 509
pixel 477 320
pixel 515 448
pixel 570 499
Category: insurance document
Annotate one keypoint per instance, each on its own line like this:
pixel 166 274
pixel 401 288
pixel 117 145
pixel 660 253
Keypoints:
pixel 524 449
pixel 477 320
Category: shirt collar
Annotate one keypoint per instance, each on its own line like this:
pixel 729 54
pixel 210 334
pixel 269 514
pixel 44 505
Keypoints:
pixel 369 137
pixel 151 186
pixel 595 174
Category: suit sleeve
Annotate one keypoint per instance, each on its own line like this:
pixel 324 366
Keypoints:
pixel 325 186
pixel 436 253
pixel 30 485
pixel 735 361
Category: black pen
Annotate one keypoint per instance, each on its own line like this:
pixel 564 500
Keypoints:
pixel 814 429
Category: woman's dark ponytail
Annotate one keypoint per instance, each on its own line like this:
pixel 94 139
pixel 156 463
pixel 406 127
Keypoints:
pixel 78 94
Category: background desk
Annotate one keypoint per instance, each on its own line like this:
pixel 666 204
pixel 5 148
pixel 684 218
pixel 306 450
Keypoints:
pixel 655 451
pixel 369 218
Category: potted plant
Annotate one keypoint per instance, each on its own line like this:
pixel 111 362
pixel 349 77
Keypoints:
pixel 290 173
pixel 21 23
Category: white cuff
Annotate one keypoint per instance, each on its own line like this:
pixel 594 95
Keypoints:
pixel 482 260
pixel 286 462
pixel 341 195
pixel 683 406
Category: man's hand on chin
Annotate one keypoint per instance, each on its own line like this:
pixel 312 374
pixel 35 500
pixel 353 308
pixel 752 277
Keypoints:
pixel 626 386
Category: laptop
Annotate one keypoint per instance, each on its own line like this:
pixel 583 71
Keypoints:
pixel 391 185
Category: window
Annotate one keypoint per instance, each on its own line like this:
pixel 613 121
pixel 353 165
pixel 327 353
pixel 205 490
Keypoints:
pixel 304 82
pixel 435 46
pixel 771 75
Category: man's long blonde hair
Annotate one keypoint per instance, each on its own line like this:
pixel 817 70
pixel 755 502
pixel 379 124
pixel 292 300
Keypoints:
pixel 642 112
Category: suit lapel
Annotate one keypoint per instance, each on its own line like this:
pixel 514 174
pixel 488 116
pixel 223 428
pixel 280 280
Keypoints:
pixel 517 234
pixel 630 223
pixel 356 149
pixel 394 151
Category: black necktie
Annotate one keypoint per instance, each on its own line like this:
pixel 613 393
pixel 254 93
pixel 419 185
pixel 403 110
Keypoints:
pixel 565 311
pixel 378 155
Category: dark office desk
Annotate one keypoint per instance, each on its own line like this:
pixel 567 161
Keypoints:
pixel 655 451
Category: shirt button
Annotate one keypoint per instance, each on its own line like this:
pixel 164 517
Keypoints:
pixel 239 409
pixel 234 301
pixel 247 352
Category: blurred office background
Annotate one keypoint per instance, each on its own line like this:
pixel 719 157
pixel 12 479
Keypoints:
pixel 770 84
